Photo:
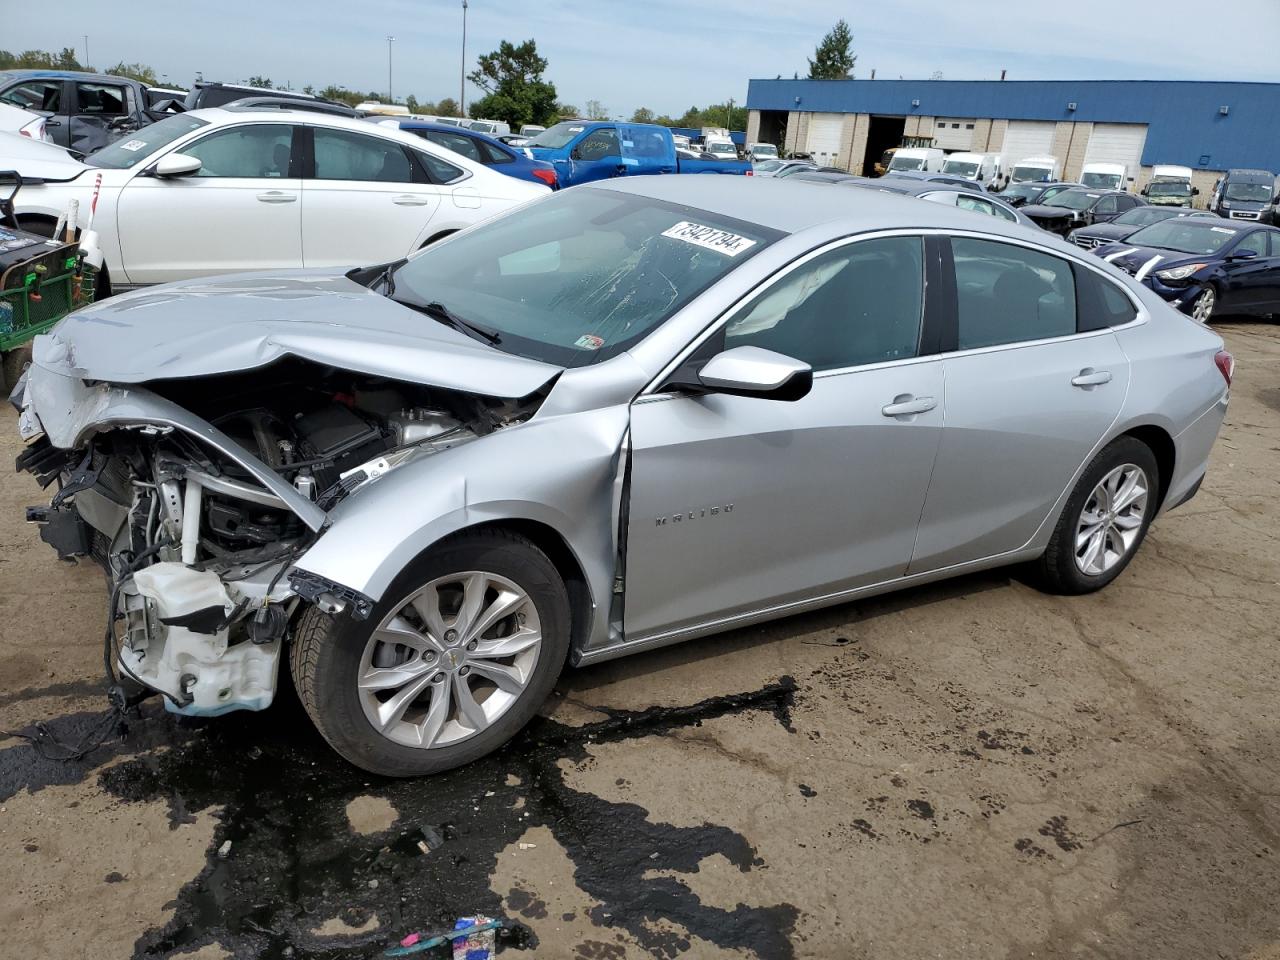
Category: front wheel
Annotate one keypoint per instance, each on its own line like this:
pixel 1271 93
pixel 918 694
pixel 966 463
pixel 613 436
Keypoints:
pixel 1202 307
pixel 1105 519
pixel 453 661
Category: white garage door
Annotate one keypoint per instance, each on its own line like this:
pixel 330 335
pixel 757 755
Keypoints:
pixel 953 133
pixel 1027 138
pixel 1117 143
pixel 824 137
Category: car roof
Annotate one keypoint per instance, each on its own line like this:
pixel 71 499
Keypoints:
pixel 448 128
pixel 41 74
pixel 791 206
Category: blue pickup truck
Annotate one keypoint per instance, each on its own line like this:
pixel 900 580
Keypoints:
pixel 586 150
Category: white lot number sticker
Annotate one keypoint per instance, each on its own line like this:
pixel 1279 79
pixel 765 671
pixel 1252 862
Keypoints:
pixel 1225 230
pixel 721 241
pixel 133 145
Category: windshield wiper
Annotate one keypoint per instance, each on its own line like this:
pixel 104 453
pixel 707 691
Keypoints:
pixel 438 311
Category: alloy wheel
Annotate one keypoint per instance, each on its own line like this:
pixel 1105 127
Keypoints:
pixel 451 660
pixel 1203 308
pixel 1111 520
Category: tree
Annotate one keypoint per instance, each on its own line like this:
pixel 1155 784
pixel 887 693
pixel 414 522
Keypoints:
pixel 448 107
pixel 567 110
pixel 341 94
pixel 263 82
pixel 833 60
pixel 515 92
pixel 642 115
pixel 597 110
pixel 135 71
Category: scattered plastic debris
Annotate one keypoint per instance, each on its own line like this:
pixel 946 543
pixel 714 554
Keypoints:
pixel 224 851
pixel 473 938
pixel 432 839
pixel 528 846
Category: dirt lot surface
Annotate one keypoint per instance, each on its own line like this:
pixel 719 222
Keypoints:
pixel 971 769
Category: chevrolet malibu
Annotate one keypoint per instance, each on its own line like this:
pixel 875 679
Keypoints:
pixel 628 415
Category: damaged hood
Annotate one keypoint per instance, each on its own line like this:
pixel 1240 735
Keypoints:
pixel 221 325
pixel 1140 261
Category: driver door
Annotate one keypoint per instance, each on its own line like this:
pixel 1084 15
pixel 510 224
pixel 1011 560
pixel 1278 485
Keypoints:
pixel 239 211
pixel 597 156
pixel 738 503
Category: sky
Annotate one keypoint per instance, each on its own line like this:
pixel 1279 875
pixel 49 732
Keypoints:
pixel 663 54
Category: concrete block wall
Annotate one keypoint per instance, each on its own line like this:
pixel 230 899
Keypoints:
pixel 797 131
pixel 1070 141
pixel 919 126
pixel 753 126
pixel 853 141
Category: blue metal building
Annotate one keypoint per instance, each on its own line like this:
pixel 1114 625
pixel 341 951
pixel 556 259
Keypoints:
pixel 1209 126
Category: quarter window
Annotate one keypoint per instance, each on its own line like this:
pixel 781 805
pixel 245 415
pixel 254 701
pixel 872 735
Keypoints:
pixel 253 150
pixel 1010 294
pixel 340 155
pixel 861 303
pixel 440 171
pixel 1102 303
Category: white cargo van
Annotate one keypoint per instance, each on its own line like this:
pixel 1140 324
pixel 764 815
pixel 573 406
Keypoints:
pixel 1170 186
pixel 917 158
pixel 1104 176
pixel 984 167
pixel 1035 170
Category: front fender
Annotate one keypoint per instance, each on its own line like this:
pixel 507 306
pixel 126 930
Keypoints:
pixel 559 471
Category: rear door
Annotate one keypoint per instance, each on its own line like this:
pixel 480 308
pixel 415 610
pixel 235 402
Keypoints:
pixel 1251 284
pixel 647 150
pixel 1030 391
pixel 240 211
pixel 365 199
pixel 101 112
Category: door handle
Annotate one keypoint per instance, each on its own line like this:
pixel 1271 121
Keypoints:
pixel 1088 377
pixel 409 200
pixel 905 405
pixel 277 196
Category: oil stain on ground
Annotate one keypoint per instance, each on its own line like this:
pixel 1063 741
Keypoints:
pixel 294 863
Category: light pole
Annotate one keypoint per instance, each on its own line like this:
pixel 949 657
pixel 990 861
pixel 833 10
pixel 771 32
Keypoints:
pixel 390 98
pixel 728 116
pixel 86 51
pixel 462 73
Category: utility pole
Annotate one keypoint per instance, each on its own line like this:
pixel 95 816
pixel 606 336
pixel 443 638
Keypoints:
pixel 390 41
pixel 86 51
pixel 728 120
pixel 462 73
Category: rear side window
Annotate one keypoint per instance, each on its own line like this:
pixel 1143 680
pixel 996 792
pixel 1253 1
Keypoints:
pixel 492 155
pixel 457 142
pixel 39 95
pixel 100 99
pixel 340 155
pixel 1010 294
pixel 1102 304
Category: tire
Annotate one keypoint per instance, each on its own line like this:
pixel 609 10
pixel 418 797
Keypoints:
pixel 1202 308
pixel 331 655
pixel 1063 568
pixel 11 366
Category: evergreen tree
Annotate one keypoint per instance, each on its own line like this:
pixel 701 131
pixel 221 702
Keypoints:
pixel 834 58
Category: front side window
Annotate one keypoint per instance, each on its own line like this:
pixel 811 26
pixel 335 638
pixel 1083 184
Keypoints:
pixel 254 150
pixel 42 96
pixel 100 100
pixel 141 144
pixel 598 145
pixel 582 275
pixel 862 303
pixel 1255 243
pixel 340 155
pixel 1010 294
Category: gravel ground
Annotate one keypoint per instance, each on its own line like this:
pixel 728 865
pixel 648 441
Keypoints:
pixel 971 769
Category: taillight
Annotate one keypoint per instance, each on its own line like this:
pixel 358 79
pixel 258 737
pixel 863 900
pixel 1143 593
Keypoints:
pixel 750 173
pixel 546 176
pixel 1226 365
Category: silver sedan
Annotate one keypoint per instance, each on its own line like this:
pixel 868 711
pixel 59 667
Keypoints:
pixel 628 415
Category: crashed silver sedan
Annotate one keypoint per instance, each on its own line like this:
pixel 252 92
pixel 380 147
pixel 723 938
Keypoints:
pixel 625 416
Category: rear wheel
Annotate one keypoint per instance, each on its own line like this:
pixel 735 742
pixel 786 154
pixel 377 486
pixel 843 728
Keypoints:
pixel 453 661
pixel 1203 306
pixel 1105 520
pixel 11 367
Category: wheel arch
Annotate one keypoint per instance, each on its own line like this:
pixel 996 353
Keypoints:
pixel 1159 441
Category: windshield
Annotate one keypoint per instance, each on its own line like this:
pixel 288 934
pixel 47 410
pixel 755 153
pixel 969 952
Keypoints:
pixel 142 143
pixel 1185 235
pixel 722 148
pixel 1168 188
pixel 1141 216
pixel 1030 174
pixel 1258 192
pixel 556 137
pixel 768 166
pixel 962 168
pixel 580 276
pixel 1072 200
pixel 1102 181
pixel 899 162
pixel 765 150
pixel 1023 190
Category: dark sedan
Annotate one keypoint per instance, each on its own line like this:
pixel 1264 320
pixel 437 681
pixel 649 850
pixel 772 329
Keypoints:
pixel 1021 194
pixel 949 179
pixel 1131 221
pixel 1079 206
pixel 1205 266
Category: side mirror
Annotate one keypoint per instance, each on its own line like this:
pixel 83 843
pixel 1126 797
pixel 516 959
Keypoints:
pixel 756 372
pixel 1243 255
pixel 1145 191
pixel 176 165
pixel 1195 192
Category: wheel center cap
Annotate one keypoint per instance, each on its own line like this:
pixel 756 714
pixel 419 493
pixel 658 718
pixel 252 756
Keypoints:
pixel 453 658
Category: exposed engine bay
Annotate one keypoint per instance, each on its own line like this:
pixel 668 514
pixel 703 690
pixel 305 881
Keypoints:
pixel 197 549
